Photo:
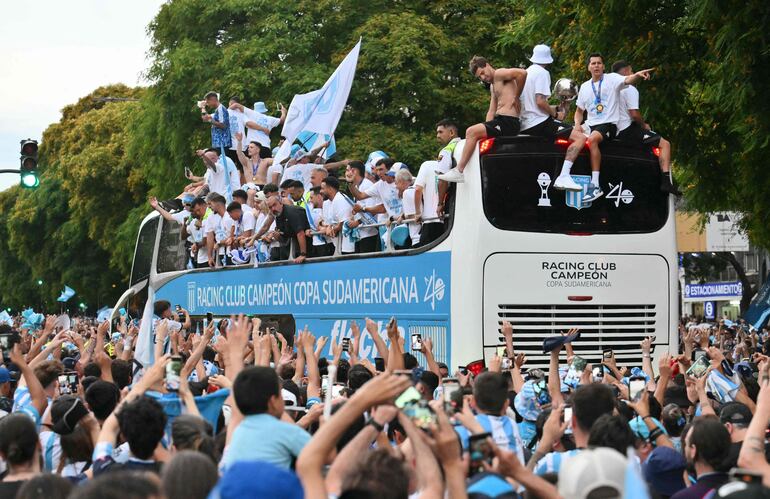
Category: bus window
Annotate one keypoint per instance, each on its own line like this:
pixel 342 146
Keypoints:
pixel 145 244
pixel 171 252
pixel 518 195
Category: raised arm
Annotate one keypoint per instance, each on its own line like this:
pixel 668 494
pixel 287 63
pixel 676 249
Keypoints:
pixel 36 390
pixel 379 343
pixel 752 454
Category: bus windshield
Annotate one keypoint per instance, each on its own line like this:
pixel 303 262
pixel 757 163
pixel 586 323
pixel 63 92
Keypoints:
pixel 518 195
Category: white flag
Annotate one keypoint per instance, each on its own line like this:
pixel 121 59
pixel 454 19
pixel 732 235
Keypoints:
pixel 320 111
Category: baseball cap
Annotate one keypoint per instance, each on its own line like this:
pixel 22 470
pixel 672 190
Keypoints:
pixel 552 342
pixel 743 490
pixel 489 485
pixel 373 158
pixel 735 413
pixel 395 168
pixel 5 375
pixel 590 470
pixel 663 470
pixel 274 482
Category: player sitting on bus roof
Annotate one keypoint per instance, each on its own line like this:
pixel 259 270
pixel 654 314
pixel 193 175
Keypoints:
pixel 632 128
pixel 540 119
pixel 505 89
pixel 599 97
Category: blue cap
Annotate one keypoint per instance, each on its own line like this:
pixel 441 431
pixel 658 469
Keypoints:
pixel 273 482
pixel 551 342
pixel 5 375
pixel 663 470
pixel 186 199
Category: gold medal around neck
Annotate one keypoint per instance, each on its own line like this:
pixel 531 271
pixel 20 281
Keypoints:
pixel 599 108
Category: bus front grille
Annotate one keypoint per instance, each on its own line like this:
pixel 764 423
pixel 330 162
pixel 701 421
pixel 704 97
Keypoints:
pixel 617 327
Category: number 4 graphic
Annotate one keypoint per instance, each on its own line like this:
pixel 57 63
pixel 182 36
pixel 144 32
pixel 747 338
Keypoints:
pixel 618 194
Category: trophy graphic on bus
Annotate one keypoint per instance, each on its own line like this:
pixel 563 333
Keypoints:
pixel 544 180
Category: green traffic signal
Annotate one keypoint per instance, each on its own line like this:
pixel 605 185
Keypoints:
pixel 28 171
pixel 29 180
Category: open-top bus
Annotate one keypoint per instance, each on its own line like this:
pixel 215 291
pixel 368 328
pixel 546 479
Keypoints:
pixel 514 249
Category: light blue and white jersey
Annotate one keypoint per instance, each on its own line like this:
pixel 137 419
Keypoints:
pixel 504 431
pixel 551 462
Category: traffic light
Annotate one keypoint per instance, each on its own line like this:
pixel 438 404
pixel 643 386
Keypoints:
pixel 28 171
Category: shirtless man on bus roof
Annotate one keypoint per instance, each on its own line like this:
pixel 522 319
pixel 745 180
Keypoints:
pixel 506 85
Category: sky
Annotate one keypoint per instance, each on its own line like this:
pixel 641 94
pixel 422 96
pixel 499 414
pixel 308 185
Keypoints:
pixel 54 52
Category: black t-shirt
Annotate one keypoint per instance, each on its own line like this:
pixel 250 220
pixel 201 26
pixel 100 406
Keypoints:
pixel 291 221
pixel 10 489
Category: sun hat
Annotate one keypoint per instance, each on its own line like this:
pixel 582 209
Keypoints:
pixel 541 54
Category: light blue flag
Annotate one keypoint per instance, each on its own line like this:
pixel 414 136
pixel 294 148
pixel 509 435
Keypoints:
pixel 103 314
pixel 311 140
pixel 32 321
pixel 5 318
pixel 66 294
pixel 634 486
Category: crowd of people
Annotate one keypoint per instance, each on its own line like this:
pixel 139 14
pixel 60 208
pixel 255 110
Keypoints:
pixel 239 409
pixel 324 207
pixel 248 208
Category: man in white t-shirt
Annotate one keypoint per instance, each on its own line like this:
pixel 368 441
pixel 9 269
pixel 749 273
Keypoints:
pixel 540 119
pixel 598 102
pixel 242 224
pixel 215 229
pixel 259 124
pixel 237 125
pixel 195 230
pixel 301 170
pixel 632 129
pixel 341 212
pixel 407 194
pixel 314 207
pixel 216 177
pixel 369 237
pixel 430 192
pixel 383 191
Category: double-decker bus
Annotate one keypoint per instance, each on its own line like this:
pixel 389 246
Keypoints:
pixel 514 249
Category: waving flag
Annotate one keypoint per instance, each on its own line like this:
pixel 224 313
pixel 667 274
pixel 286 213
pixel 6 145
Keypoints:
pixel 32 320
pixel 66 294
pixel 311 140
pixel 5 319
pixel 320 111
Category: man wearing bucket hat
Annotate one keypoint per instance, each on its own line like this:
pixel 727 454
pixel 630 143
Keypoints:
pixel 506 85
pixel 541 119
pixel 259 124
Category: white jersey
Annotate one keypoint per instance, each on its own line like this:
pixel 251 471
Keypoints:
pixel 629 99
pixel 538 82
pixel 601 100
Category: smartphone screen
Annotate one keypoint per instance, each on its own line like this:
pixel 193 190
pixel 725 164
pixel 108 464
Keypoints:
pixel 209 317
pixel 416 342
pixel 379 364
pixel 173 371
pixel 636 388
pixel 699 367
pixel 64 387
pixel 408 396
pixel 450 387
pixel 607 354
pixel 345 344
pixel 480 452
pixel 579 364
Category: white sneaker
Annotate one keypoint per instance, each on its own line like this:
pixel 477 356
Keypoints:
pixel 452 175
pixel 565 183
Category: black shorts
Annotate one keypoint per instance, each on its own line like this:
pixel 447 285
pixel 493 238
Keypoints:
pixel 368 244
pixel 636 135
pixel 549 128
pixel 608 130
pixel 503 126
